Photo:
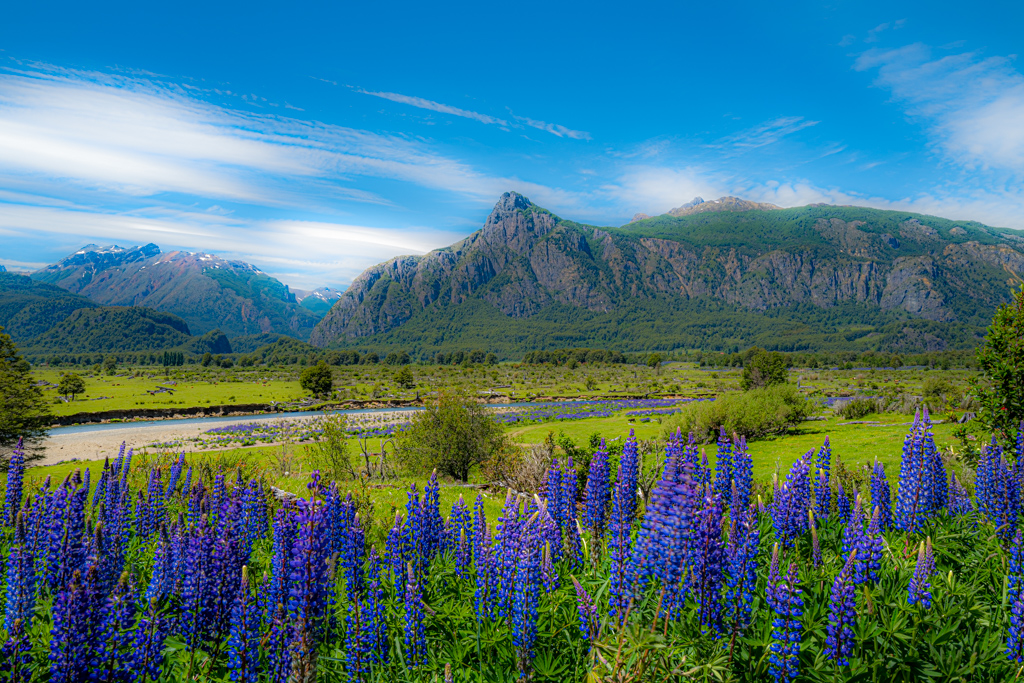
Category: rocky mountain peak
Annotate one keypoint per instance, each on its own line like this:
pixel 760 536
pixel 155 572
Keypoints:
pixel 698 205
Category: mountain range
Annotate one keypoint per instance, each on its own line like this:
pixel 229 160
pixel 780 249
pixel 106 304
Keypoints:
pixel 720 274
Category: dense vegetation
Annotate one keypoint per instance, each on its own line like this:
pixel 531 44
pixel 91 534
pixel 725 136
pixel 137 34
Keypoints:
pixel 708 574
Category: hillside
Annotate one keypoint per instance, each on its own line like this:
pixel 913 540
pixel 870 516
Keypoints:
pixel 112 329
pixel 820 277
pixel 206 291
pixel 29 308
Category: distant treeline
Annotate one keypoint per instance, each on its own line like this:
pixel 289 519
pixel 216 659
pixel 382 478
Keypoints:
pixel 570 356
pixel 839 359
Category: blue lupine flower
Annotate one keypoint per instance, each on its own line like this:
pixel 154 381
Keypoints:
pixel 375 612
pixel 784 599
pixel 596 494
pixel 481 530
pixel 842 615
pixel 244 640
pixel 555 507
pixel 503 558
pixel 722 487
pixel 822 486
pixel 395 552
pixel 959 500
pixel 358 639
pixel 13 488
pixel 815 545
pixel 792 502
pixel 843 507
pixel 922 488
pixel 880 495
pixel 919 591
pixel 279 660
pixel 619 533
pixel 310 588
pixel 16 653
pixel 21 580
pixel 415 632
pixel 587 611
pixel 854 529
pixel 112 642
pixel 744 538
pixel 709 565
pixel 527 594
pixel 573 551
pixel 629 474
pixel 1015 637
pixel 742 475
pixel 148 646
pixel 70 634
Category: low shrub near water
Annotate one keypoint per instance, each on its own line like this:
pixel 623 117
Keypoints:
pixel 752 414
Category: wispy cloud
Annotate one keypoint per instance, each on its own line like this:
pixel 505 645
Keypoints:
pixel 971 105
pixel 434 106
pixel 553 128
pixel 766 133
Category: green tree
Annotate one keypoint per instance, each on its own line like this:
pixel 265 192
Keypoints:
pixel 451 435
pixel 71 385
pixel 317 379
pixel 207 359
pixel 110 364
pixel 1000 389
pixel 404 378
pixel 23 411
pixel 763 369
pixel 654 361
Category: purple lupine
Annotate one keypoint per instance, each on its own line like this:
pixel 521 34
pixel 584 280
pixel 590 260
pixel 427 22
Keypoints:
pixel 853 530
pixel 481 530
pixel 959 500
pixel 20 601
pixel 784 599
pixel 619 531
pixel 432 520
pixel 14 485
pixel 376 612
pixel 843 508
pixel 310 587
pixel 16 654
pixel 919 591
pixel 555 508
pixel 503 558
pixel 147 647
pixel 596 494
pixel 915 495
pixel 279 661
pixel 629 475
pixel 589 619
pixel 815 545
pixel 881 498
pixel 722 486
pixel 71 632
pixel 869 551
pixel 276 590
pixel 415 632
pixel 572 544
pixel 244 638
pixel 527 593
pixel 793 500
pixel 709 565
pixel 743 476
pixel 195 586
pixel 358 639
pixel 395 553
pixel 842 615
pixel 112 643
pixel 822 486
pixel 744 538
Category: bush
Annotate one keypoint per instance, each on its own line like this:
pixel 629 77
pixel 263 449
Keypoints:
pixel 764 369
pixel 452 436
pixel 856 408
pixel 753 414
pixel 1000 389
pixel 317 379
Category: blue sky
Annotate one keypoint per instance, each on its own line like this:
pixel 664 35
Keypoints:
pixel 314 140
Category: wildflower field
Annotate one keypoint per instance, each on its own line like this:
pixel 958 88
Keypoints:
pixel 181 572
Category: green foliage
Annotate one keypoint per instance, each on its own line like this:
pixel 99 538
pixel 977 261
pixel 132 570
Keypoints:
pixel 756 413
pixel 404 378
pixel 764 369
pixel 317 379
pixel 71 385
pixel 329 452
pixel 857 408
pixel 29 308
pixel 452 435
pixel 107 329
pixel 1000 391
pixel 23 411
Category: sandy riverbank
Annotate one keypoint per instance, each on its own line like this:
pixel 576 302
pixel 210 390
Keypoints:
pixel 101 443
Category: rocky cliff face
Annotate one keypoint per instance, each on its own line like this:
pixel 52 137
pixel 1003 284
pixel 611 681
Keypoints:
pixel 207 291
pixel 756 257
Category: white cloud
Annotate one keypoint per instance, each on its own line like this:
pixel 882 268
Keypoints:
pixel 766 133
pixel 972 106
pixel 553 128
pixel 435 106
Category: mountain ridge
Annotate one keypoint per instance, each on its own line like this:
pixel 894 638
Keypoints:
pixel 525 260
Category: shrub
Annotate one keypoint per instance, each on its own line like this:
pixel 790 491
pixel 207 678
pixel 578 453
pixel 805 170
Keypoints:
pixel 753 414
pixel 764 369
pixel 452 436
pixel 317 379
pixel 856 408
